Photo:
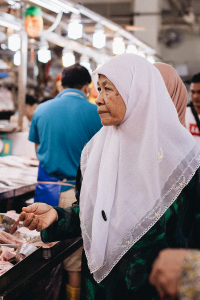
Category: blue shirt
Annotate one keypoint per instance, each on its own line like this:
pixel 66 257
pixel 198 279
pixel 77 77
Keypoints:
pixel 62 127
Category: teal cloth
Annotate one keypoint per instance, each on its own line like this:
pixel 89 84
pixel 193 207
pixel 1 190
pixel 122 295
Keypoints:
pixel 62 126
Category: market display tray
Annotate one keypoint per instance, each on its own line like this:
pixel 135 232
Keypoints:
pixel 23 267
pixel 18 289
pixel 43 252
pixel 20 269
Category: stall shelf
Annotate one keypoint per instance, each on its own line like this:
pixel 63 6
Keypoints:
pixel 24 288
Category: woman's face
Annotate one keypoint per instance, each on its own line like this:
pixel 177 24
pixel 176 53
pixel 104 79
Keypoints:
pixel 111 106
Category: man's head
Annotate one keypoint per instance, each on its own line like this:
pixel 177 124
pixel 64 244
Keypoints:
pixel 195 92
pixel 31 105
pixel 76 77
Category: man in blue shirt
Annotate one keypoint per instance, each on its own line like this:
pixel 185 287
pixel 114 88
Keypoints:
pixel 60 128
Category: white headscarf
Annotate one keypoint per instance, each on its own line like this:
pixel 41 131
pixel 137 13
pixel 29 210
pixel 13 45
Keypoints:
pixel 135 171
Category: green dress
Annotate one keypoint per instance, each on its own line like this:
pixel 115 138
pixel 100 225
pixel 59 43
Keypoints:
pixel 179 227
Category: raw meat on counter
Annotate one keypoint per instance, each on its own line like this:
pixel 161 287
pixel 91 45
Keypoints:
pixel 14 227
pixel 9 221
pixel 7 253
pixel 43 245
pixel 12 214
pixel 27 235
pixel 7 238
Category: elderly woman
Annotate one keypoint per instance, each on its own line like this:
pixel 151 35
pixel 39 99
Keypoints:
pixel 138 185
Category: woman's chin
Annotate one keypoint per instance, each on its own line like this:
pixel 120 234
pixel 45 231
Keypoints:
pixel 106 122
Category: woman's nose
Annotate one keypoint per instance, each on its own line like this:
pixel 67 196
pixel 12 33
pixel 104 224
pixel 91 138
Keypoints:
pixel 99 100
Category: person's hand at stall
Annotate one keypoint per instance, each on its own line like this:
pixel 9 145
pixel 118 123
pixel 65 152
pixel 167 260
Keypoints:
pixel 38 216
pixel 166 272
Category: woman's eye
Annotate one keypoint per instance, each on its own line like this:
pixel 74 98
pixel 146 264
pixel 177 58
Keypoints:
pixel 107 89
pixel 99 89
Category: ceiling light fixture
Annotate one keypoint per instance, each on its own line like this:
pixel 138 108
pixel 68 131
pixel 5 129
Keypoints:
pixel 99 37
pixel 84 61
pixel 75 28
pixel 14 42
pixel 68 58
pixel 131 49
pixel 44 54
pixel 118 45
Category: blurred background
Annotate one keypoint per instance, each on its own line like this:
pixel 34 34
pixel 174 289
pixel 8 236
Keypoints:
pixel 38 38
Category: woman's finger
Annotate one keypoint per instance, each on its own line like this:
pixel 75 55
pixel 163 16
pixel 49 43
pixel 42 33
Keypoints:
pixel 28 219
pixel 40 226
pixel 33 224
pixel 22 216
pixel 31 208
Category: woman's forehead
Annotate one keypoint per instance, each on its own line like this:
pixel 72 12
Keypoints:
pixel 102 79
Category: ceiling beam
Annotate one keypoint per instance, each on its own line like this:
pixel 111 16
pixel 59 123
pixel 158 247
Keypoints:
pixel 61 41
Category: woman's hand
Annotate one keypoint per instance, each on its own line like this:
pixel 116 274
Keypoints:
pixel 166 271
pixel 38 216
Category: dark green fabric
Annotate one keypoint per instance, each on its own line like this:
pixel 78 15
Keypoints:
pixel 178 227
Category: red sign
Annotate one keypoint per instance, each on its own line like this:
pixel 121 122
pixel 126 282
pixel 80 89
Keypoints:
pixel 194 130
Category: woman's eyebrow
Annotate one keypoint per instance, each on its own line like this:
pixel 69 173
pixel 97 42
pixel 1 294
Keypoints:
pixel 103 82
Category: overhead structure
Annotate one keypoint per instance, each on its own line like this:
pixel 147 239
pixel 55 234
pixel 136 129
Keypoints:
pixel 74 19
pixel 10 21
pixel 81 33
pixel 81 30
pixel 77 12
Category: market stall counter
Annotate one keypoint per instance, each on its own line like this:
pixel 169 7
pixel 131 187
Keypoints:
pixel 42 279
pixel 39 274
pixel 18 178
pixel 29 268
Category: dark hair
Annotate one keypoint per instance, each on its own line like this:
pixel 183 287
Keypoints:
pixel 75 76
pixel 196 78
pixel 31 100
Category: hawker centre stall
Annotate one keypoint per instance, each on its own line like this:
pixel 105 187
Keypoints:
pixel 38 38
